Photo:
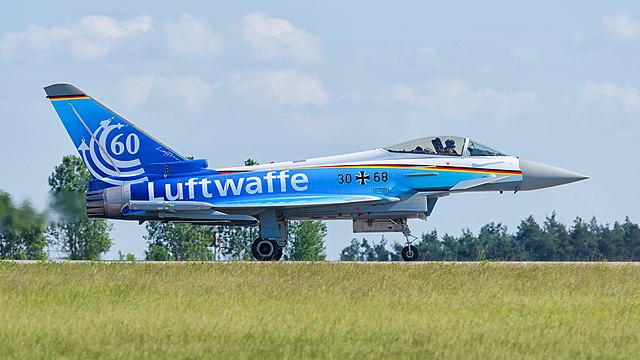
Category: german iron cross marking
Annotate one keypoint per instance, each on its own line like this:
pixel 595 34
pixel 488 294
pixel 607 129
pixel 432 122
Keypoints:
pixel 363 177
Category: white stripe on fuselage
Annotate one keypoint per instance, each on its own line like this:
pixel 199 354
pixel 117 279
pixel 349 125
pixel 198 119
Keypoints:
pixel 381 157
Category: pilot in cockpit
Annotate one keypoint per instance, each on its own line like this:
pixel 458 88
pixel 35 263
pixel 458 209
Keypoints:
pixel 420 150
pixel 450 147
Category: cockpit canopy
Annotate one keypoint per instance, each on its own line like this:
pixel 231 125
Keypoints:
pixel 444 145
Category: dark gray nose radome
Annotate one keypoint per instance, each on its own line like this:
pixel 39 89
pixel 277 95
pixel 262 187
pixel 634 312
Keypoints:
pixel 537 175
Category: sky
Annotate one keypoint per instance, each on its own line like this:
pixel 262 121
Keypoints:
pixel 555 82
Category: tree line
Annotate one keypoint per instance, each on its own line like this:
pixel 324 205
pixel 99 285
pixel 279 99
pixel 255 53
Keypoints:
pixel 173 241
pixel 26 232
pixel 551 241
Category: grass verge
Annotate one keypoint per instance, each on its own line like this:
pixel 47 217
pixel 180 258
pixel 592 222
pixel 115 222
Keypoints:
pixel 318 310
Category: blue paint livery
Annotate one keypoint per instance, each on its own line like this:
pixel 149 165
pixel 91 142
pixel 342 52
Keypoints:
pixel 136 177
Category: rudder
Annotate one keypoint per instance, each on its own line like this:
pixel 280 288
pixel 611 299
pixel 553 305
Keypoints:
pixel 114 150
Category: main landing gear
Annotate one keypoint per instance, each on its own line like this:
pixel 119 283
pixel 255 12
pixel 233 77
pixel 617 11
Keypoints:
pixel 409 252
pixel 273 236
pixel 266 250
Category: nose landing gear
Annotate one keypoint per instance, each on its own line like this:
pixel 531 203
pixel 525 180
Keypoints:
pixel 409 252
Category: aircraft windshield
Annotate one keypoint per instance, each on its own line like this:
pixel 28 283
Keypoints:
pixel 436 145
pixel 477 149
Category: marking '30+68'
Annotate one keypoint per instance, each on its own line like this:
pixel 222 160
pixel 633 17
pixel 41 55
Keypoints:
pixel 363 177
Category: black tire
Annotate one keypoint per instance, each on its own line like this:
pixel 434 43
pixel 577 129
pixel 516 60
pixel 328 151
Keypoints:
pixel 279 254
pixel 410 253
pixel 264 249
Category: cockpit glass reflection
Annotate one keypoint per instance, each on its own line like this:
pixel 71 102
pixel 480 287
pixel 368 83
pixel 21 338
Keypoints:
pixel 477 149
pixel 436 145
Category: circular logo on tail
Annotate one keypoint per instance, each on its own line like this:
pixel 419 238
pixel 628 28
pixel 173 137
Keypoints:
pixel 111 155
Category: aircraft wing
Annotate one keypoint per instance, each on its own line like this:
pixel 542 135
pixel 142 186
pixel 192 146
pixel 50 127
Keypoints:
pixel 300 201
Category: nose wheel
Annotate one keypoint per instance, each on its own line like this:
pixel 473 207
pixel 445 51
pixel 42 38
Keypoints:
pixel 266 250
pixel 409 252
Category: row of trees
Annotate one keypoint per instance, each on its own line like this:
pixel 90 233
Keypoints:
pixel 71 231
pixel 553 241
pixel 25 232
pixel 171 241
pixel 22 230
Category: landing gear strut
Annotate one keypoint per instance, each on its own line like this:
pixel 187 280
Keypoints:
pixel 409 252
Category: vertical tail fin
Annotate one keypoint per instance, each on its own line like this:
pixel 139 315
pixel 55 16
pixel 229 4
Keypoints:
pixel 114 150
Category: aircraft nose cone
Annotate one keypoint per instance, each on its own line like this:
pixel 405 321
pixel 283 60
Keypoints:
pixel 537 175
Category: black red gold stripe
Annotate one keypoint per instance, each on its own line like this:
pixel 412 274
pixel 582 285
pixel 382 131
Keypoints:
pixel 404 166
pixel 68 97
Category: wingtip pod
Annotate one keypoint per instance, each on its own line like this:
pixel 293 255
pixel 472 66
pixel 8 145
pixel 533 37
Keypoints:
pixel 63 90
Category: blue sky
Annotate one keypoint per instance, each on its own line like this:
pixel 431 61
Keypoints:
pixel 547 81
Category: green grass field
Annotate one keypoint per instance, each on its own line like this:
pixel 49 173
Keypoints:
pixel 318 310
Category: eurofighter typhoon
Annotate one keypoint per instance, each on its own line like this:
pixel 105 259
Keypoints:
pixel 136 177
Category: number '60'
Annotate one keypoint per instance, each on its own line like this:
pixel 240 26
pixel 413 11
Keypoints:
pixel 131 144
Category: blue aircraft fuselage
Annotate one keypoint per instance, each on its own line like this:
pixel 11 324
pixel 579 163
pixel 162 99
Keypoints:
pixel 136 177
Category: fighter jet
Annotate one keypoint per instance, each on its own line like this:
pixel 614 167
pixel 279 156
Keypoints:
pixel 136 177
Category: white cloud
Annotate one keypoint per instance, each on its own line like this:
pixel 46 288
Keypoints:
pixel 191 38
pixel 277 39
pixel 612 94
pixel 190 92
pixel 286 87
pixel 403 92
pixel 457 99
pixel 355 96
pixel 89 38
pixel 621 25
pixel 426 52
pixel 577 37
pixel 136 89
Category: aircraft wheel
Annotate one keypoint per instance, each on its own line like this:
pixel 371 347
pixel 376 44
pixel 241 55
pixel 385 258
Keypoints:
pixel 410 253
pixel 264 249
pixel 279 254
